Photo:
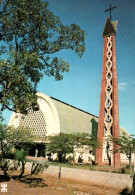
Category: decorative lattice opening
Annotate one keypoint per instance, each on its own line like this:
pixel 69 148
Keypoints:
pixel 35 121
pixel 108 119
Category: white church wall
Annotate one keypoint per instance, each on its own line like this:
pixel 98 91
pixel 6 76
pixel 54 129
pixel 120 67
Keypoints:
pixel 48 113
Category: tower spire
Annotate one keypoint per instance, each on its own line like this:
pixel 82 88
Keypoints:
pixel 110 9
pixel 108 124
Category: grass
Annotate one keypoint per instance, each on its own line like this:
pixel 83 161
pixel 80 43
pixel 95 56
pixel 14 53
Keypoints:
pixel 123 170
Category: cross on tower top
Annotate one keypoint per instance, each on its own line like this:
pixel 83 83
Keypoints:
pixel 110 9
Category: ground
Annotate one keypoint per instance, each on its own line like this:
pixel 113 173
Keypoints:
pixel 48 185
pixel 44 184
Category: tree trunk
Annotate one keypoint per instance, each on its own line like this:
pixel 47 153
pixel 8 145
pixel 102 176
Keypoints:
pixel 130 165
pixel 33 168
pixel 133 185
pixel 60 157
pixel 73 157
pixel 108 155
pixel 59 173
pixel 23 168
pixel 5 173
pixel 4 166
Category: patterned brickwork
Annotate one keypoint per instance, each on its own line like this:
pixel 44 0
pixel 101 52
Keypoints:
pixel 35 121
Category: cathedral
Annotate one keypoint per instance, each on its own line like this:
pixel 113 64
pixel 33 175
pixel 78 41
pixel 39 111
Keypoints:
pixel 52 118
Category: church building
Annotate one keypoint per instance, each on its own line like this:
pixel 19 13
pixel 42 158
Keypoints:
pixel 54 117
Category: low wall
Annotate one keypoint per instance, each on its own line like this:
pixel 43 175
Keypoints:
pixel 115 180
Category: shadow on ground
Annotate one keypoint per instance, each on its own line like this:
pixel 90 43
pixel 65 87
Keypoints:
pixel 33 182
pixel 4 178
pixel 125 191
pixel 27 179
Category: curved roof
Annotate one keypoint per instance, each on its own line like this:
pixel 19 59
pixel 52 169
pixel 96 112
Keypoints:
pixel 43 122
pixel 55 116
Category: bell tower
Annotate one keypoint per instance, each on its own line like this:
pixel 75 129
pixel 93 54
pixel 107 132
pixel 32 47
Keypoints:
pixel 108 113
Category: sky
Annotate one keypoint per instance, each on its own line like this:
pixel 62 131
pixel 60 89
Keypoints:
pixel 80 87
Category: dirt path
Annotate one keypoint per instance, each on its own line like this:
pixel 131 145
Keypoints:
pixel 47 185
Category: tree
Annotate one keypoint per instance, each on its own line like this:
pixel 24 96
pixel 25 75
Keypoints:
pixel 15 144
pixel 80 140
pixel 126 145
pixel 63 143
pixel 59 144
pixel 11 139
pixel 30 37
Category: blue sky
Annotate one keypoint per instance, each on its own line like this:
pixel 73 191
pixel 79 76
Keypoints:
pixel 81 85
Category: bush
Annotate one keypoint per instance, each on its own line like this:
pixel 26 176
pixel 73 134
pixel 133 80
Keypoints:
pixel 20 154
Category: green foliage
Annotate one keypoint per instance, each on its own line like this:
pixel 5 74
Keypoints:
pixel 15 144
pixel 59 144
pixel 20 155
pixel 29 35
pixel 19 137
pixel 4 147
pixel 126 145
pixel 38 168
pixel 3 129
pixel 11 138
pixel 63 143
